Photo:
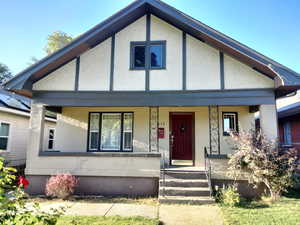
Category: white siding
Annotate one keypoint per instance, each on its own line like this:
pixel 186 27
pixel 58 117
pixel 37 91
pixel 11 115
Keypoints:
pixel 124 78
pixel 18 136
pixel 61 79
pixel 94 70
pixel 202 65
pixel 171 77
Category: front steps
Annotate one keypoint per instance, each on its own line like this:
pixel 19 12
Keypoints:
pixel 184 187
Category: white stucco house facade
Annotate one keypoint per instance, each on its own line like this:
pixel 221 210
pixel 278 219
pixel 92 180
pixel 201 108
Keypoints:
pixel 148 88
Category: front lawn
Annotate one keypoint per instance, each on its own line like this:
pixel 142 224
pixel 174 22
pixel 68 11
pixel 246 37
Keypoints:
pixel 109 220
pixel 285 211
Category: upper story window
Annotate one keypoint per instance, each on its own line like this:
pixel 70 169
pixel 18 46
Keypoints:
pixel 4 135
pixel 110 131
pixel 230 123
pixel 156 57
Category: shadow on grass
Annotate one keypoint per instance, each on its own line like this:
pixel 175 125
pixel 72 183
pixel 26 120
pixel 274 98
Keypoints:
pixel 292 193
pixel 248 204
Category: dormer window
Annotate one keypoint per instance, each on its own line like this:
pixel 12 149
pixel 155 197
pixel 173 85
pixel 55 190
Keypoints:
pixel 156 57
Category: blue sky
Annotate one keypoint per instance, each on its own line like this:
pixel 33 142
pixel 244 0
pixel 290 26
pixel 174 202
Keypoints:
pixel 271 27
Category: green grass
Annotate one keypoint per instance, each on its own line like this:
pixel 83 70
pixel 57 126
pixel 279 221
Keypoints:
pixel 109 220
pixel 285 211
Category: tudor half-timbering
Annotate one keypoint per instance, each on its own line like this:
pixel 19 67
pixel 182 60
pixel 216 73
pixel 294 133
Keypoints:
pixel 147 88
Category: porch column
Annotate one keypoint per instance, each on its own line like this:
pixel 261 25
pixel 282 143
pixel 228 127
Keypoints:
pixel 268 121
pixel 36 130
pixel 153 129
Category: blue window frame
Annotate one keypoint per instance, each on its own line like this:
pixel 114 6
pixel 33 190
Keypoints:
pixel 139 57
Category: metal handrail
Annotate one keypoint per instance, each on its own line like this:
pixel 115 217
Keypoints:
pixel 207 169
pixel 163 174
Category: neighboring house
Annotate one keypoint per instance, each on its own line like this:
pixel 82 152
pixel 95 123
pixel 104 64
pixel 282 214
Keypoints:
pixel 289 121
pixel 14 128
pixel 148 88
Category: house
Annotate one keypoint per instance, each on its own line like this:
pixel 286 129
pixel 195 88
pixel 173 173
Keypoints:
pixel 289 121
pixel 149 88
pixel 14 124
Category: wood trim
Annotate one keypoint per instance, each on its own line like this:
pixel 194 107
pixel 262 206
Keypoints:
pixel 77 71
pixel 112 63
pixel 222 75
pixel 183 61
pixel 147 52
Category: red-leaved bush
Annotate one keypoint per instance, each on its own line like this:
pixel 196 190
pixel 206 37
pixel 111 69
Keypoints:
pixel 61 185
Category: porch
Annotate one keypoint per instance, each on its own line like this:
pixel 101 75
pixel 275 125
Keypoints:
pixel 124 148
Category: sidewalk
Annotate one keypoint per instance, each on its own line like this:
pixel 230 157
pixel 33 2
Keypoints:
pixel 168 214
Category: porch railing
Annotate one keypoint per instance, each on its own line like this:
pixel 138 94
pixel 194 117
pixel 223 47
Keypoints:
pixel 207 167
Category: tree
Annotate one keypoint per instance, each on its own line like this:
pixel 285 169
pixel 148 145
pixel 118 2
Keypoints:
pixel 33 60
pixel 56 41
pixel 261 160
pixel 5 73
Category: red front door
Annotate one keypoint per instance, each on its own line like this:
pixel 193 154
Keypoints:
pixel 182 125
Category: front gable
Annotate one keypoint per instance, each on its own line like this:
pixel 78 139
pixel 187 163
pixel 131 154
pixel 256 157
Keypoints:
pixel 198 58
pixel 191 64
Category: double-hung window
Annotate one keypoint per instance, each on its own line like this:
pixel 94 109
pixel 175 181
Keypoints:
pixel 155 58
pixel 230 123
pixel 110 131
pixel 4 135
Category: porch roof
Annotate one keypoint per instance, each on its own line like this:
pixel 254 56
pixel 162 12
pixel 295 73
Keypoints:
pixel 286 80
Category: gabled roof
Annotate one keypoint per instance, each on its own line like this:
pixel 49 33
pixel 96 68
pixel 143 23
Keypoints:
pixel 289 110
pixel 286 80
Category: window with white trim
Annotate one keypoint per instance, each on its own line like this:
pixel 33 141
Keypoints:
pixel 4 135
pixel 110 131
pixel 229 123
pixel 51 139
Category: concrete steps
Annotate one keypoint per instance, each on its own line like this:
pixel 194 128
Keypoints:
pixel 186 200
pixel 185 191
pixel 184 187
pixel 173 182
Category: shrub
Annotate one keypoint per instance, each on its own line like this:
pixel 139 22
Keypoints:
pixel 262 161
pixel 228 196
pixel 61 185
pixel 14 209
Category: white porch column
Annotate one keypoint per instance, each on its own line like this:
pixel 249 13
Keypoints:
pixel 268 121
pixel 36 130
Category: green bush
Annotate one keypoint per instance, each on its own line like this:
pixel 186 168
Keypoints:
pixel 228 196
pixel 14 210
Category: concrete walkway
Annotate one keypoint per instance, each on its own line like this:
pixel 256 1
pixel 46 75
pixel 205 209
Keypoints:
pixel 167 214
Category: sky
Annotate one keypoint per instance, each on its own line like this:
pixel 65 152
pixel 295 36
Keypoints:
pixel 271 27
